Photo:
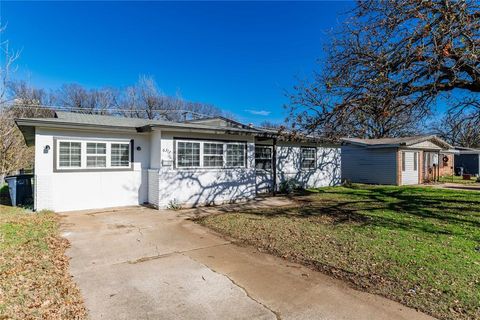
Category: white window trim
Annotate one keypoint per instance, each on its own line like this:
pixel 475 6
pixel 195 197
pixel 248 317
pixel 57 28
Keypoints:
pixel 103 155
pixel 303 158
pixel 83 155
pixel 58 156
pixel 109 153
pixel 201 166
pixel 202 154
pixel 271 157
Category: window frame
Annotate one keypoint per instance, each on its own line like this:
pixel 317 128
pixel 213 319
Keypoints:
pixel 302 158
pixel 200 162
pixel 203 154
pixel 109 152
pixel 58 155
pixel 264 159
pixel 202 142
pixel 96 154
pixel 83 154
pixel 225 160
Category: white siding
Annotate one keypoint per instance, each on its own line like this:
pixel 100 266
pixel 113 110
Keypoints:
pixel 200 186
pixel 263 181
pixel 364 165
pixel 425 145
pixel 326 172
pixel 155 179
pixel 155 146
pixel 67 191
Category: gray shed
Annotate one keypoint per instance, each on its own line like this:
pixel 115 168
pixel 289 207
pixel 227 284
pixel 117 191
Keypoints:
pixel 396 161
pixel 468 159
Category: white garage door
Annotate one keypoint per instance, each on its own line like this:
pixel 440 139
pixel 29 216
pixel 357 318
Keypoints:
pixel 409 167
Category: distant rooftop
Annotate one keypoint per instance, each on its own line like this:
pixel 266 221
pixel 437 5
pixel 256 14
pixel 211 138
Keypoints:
pixel 393 142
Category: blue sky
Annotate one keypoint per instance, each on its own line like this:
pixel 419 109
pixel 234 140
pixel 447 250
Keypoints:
pixel 239 56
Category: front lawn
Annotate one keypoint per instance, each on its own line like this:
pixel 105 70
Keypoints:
pixel 419 246
pixel 34 279
pixel 457 179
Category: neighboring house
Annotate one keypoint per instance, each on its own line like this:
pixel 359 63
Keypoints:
pixel 396 161
pixel 91 161
pixel 468 159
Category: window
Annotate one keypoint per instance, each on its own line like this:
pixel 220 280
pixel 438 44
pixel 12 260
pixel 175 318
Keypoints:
pixel 120 154
pixel 70 154
pixel 263 157
pixel 403 161
pixel 188 154
pixel 308 158
pixel 209 154
pixel 415 163
pixel 235 155
pixel 92 155
pixel 213 154
pixel 96 155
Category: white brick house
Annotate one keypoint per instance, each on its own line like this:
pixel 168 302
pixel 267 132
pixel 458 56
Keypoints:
pixel 90 161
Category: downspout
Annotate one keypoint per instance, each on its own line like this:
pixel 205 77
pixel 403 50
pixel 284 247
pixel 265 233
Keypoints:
pixel 274 166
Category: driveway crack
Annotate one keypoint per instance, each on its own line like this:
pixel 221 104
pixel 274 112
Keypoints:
pixel 276 313
pixel 159 256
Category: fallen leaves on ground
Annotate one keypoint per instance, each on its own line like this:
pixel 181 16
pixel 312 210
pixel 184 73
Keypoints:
pixel 34 278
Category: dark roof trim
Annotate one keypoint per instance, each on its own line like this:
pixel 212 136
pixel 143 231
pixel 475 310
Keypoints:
pixel 404 142
pixel 244 126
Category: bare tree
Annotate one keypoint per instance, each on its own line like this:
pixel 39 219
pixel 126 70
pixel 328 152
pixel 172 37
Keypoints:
pixel 9 57
pixel 11 148
pixel 25 102
pixel 271 125
pixel 77 98
pixel 461 125
pixel 146 100
pixel 388 64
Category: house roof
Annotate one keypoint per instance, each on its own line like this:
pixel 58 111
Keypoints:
pixel 220 121
pixel 465 150
pixel 397 142
pixel 81 121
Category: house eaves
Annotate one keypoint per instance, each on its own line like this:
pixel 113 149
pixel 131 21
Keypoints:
pixel 395 142
pixel 27 127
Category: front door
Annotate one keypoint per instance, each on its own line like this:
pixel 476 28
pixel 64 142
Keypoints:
pixel 430 166
pixel 409 167
pixel 263 168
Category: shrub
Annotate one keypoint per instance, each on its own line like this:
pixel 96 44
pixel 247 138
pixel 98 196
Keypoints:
pixel 290 185
pixel 174 205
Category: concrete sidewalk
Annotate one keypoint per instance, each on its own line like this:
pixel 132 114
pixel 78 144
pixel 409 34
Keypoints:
pixel 140 263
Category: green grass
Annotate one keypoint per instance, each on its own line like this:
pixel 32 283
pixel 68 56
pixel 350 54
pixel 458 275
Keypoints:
pixel 457 179
pixel 419 246
pixel 34 279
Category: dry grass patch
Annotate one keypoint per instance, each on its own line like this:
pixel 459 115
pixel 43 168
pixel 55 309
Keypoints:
pixel 34 278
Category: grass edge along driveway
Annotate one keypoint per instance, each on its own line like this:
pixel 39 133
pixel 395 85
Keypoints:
pixel 34 278
pixel 419 246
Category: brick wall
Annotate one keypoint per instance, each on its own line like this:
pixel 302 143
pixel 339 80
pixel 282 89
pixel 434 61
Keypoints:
pixel 153 194
pixel 446 168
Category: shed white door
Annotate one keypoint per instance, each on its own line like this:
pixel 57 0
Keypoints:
pixel 409 167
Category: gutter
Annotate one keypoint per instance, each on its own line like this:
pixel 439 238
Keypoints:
pixel 69 125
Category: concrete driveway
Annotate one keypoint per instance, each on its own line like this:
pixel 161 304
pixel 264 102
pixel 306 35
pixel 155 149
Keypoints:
pixel 140 263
